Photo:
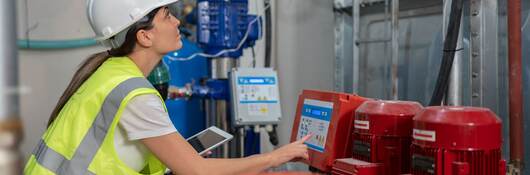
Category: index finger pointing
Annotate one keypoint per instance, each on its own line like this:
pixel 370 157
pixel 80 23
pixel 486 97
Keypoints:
pixel 305 138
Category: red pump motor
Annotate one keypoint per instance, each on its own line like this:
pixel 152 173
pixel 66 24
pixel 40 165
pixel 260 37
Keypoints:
pixel 328 116
pixel 382 134
pixel 457 141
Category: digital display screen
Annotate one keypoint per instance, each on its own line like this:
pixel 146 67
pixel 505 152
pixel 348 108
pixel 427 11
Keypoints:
pixel 316 112
pixel 256 81
pixel 205 140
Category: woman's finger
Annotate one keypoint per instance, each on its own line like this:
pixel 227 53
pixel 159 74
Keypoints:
pixel 305 138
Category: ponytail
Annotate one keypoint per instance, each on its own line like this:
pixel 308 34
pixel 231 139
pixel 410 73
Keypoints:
pixel 87 68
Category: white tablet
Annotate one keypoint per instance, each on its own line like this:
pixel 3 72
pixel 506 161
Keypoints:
pixel 208 139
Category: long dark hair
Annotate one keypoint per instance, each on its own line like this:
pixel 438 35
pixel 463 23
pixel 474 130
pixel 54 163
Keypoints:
pixel 92 63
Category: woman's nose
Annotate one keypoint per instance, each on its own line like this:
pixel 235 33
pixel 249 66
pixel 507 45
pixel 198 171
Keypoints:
pixel 177 21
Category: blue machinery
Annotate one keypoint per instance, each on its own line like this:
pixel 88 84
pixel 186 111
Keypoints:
pixel 199 88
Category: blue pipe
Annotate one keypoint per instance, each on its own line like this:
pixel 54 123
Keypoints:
pixel 55 44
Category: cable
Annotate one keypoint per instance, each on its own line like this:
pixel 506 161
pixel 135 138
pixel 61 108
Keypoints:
pixel 172 58
pixel 259 22
pixel 268 34
pixel 253 58
pixel 450 43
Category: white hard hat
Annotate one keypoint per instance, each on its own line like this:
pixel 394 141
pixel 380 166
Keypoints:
pixel 110 17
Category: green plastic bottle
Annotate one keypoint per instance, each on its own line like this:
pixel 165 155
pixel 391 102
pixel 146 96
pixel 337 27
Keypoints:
pixel 159 78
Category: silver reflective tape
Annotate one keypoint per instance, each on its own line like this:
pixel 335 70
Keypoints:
pixel 47 157
pixel 92 141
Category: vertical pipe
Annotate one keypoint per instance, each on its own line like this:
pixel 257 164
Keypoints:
pixel 207 122
pixel 268 33
pixel 450 43
pixel 515 83
pixel 221 122
pixel 242 141
pixel 10 125
pixel 356 58
pixel 338 72
pixel 454 94
pixel 395 48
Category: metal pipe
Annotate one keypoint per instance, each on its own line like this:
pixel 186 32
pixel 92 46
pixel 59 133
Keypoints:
pixel 356 58
pixel 387 22
pixel 10 125
pixel 221 66
pixel 450 43
pixel 515 84
pixel 221 108
pixel 55 44
pixel 242 141
pixel 395 48
pixel 207 121
pixel 454 94
pixel 369 41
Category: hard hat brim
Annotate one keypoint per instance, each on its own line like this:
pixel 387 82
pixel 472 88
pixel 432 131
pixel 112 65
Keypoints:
pixel 148 10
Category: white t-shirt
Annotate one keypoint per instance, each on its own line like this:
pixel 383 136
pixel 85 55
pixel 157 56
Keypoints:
pixel 143 117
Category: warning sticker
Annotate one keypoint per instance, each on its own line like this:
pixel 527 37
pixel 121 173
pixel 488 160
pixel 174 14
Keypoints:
pixel 424 135
pixel 362 124
pixel 258 109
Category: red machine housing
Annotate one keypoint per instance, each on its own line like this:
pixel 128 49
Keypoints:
pixel 328 116
pixel 382 134
pixel 457 141
pixel 351 166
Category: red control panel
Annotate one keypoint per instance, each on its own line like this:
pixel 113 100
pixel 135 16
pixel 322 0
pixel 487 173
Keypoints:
pixel 328 116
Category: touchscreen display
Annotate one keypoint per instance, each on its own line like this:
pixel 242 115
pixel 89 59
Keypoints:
pixel 205 140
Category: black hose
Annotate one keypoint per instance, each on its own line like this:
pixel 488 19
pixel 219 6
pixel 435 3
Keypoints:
pixel 273 136
pixel 268 34
pixel 448 53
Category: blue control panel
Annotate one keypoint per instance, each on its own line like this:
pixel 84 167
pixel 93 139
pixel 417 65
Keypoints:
pixel 315 119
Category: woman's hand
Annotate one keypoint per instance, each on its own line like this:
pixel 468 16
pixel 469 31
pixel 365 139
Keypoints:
pixel 295 150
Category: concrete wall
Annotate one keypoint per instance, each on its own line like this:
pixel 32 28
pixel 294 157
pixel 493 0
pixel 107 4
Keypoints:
pixel 304 54
pixel 46 73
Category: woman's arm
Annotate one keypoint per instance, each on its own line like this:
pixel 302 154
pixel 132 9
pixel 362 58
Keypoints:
pixel 181 158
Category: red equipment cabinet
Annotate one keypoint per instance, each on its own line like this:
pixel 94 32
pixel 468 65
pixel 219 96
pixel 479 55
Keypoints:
pixel 457 141
pixel 382 134
pixel 351 166
pixel 328 116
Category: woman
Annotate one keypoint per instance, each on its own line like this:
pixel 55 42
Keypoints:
pixel 110 120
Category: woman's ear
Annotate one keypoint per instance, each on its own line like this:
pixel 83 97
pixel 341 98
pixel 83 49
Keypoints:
pixel 144 38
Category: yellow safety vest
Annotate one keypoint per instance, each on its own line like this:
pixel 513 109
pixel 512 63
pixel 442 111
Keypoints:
pixel 81 139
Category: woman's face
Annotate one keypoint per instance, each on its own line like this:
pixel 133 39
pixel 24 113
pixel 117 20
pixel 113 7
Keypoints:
pixel 166 34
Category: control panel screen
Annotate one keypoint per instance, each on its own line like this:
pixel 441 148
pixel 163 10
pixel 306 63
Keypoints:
pixel 314 119
pixel 257 90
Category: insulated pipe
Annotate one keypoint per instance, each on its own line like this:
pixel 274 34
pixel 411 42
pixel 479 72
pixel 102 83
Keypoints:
pixel 56 44
pixel 395 49
pixel 454 97
pixel 515 83
pixel 10 125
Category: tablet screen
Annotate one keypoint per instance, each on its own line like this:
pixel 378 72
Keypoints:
pixel 205 140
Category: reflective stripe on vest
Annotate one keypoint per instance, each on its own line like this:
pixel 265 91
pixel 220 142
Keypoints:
pixel 93 139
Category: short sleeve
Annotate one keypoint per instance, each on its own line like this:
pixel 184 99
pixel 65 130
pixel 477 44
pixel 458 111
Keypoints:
pixel 145 117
